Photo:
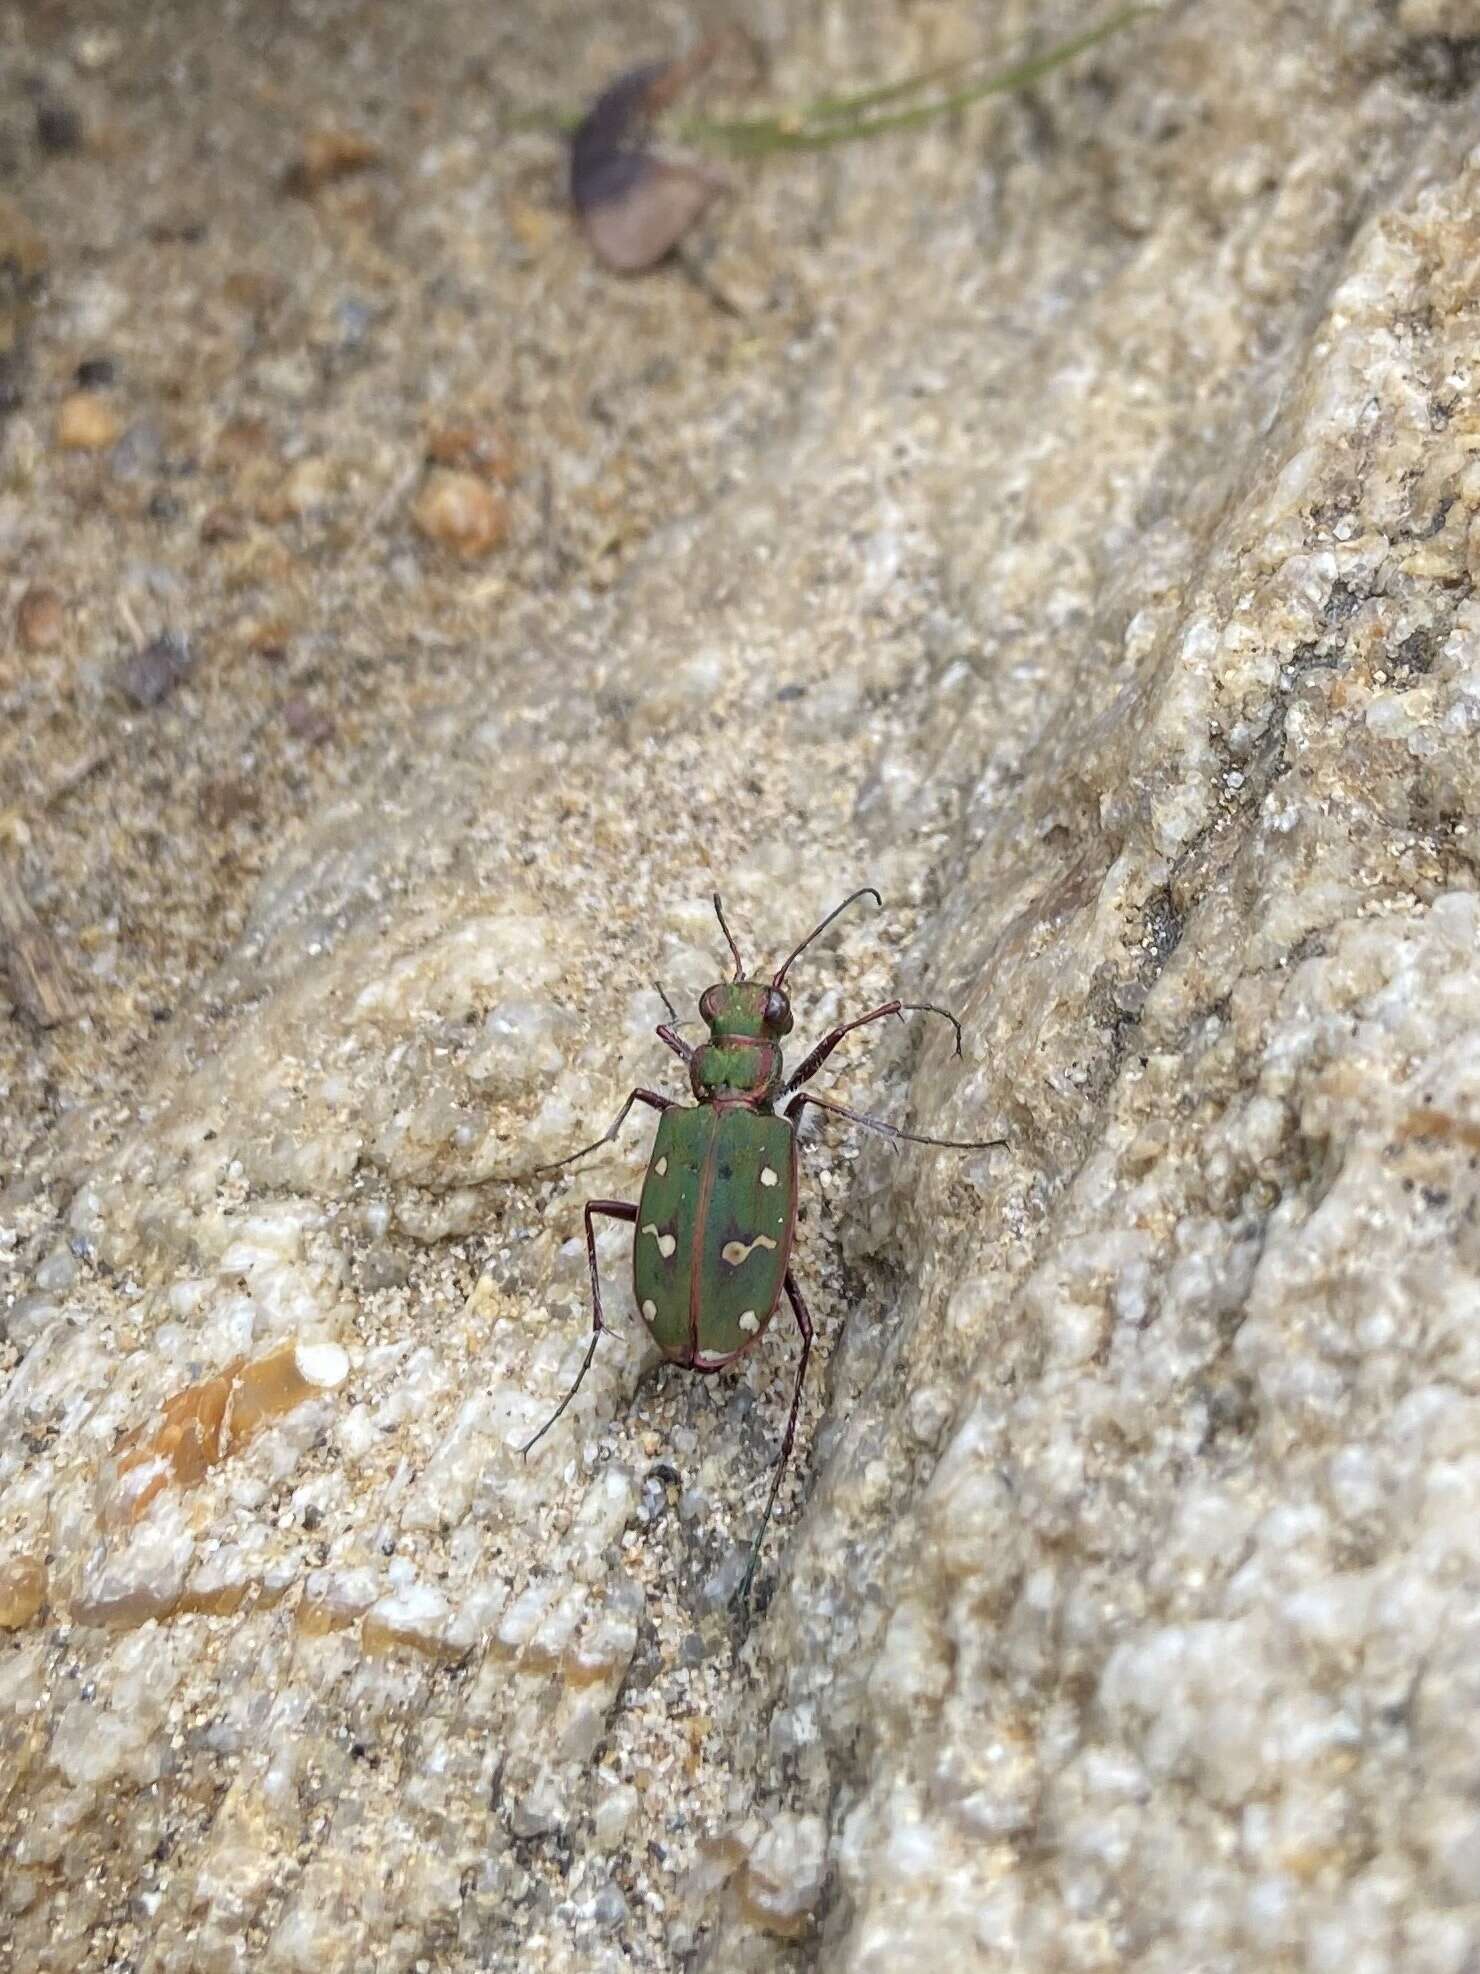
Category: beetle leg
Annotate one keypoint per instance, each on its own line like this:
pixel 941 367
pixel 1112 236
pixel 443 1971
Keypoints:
pixel 616 1209
pixel 884 1130
pixel 804 1324
pixel 635 1096
pixel 812 1063
pixel 666 1030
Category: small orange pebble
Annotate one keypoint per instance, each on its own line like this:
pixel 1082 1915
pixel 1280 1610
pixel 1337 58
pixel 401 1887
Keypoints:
pixel 200 1425
pixel 327 155
pixel 476 446
pixel 458 512
pixel 1428 1122
pixel 269 1386
pixel 22 1591
pixel 86 422
pixel 221 524
pixel 241 439
pixel 40 619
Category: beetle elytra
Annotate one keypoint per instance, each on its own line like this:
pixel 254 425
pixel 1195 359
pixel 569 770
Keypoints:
pixel 712 1252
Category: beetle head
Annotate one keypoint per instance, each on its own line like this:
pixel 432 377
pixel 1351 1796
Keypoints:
pixel 746 1007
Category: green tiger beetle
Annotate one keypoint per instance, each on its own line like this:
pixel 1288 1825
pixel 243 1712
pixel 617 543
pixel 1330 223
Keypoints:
pixel 719 1202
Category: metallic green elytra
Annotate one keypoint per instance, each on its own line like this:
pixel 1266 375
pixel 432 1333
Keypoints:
pixel 711 1256
pixel 714 1230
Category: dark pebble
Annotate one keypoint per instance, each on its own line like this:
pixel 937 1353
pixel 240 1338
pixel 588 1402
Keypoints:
pixel 633 208
pixel 186 228
pixel 96 373
pixel 153 673
pixel 58 128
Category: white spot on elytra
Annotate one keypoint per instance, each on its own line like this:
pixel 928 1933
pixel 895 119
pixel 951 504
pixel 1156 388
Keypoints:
pixel 749 1321
pixel 768 1177
pixel 666 1242
pixel 661 1167
pixel 649 1311
pixel 736 1251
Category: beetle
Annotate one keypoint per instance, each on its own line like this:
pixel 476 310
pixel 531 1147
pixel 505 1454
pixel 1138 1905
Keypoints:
pixel 718 1210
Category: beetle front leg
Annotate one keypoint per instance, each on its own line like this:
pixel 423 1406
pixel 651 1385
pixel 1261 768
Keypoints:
pixel 615 1209
pixel 634 1097
pixel 793 1110
pixel 666 1031
pixel 813 1062
pixel 804 1324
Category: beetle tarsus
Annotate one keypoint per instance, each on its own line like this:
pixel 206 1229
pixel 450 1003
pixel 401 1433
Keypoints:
pixel 636 1096
pixel 929 1007
pixel 813 1062
pixel 804 1325
pixel 669 1027
pixel 614 1209
pixel 861 1118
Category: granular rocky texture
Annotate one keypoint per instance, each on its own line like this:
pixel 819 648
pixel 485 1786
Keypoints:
pixel 1067 521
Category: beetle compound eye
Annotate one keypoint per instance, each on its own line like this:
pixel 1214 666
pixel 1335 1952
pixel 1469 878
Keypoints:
pixel 778 1012
pixel 709 1003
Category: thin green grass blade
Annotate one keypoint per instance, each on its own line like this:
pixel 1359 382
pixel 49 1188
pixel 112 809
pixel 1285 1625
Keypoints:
pixel 828 109
pixel 845 120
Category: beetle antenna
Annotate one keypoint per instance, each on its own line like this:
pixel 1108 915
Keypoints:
pixel 729 938
pixel 868 891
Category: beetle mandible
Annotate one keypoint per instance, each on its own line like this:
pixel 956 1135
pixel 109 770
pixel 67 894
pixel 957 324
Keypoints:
pixel 718 1211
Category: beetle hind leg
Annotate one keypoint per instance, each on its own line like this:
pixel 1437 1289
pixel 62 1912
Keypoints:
pixel 615 1209
pixel 891 1131
pixel 804 1324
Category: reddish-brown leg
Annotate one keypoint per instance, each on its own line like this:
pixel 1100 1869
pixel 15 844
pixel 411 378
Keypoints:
pixel 884 1130
pixel 813 1062
pixel 804 1324
pixel 635 1097
pixel 666 1030
pixel 615 1209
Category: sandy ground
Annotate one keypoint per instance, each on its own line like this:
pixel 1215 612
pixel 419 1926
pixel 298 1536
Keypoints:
pixel 1064 519
pixel 279 366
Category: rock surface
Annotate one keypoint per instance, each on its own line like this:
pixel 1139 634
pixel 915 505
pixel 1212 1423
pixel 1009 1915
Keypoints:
pixel 1071 525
